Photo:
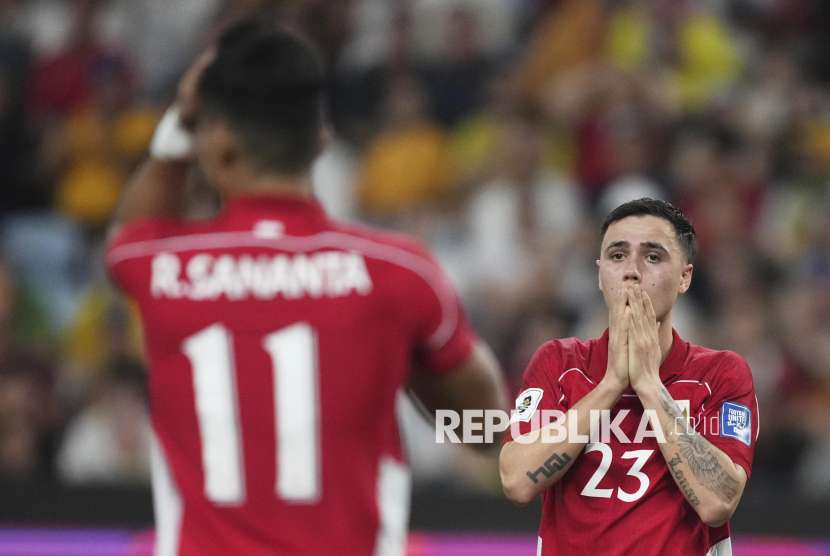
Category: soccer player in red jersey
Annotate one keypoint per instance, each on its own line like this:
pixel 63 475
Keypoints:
pixel 631 485
pixel 278 338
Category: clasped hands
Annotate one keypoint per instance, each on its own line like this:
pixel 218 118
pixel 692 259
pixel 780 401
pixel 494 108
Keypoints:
pixel 634 354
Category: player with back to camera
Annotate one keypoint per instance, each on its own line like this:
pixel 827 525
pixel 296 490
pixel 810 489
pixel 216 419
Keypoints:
pixel 628 493
pixel 278 338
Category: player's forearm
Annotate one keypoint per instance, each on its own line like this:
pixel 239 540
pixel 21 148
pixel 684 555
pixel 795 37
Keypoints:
pixel 476 383
pixel 156 189
pixel 528 469
pixel 705 475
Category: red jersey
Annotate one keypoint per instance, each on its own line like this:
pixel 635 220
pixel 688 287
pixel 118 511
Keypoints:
pixel 619 498
pixel 277 340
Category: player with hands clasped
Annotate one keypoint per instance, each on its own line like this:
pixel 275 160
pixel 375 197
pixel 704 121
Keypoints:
pixel 660 432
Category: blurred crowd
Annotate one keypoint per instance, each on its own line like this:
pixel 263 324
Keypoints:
pixel 500 132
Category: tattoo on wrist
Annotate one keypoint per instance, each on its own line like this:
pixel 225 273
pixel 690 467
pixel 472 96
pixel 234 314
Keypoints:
pixel 682 481
pixel 699 453
pixel 554 464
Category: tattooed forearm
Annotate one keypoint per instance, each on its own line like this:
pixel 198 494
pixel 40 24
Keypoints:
pixel 682 481
pixel 698 452
pixel 678 424
pixel 706 467
pixel 550 467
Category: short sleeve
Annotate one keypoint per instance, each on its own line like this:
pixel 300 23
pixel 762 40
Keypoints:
pixel 444 357
pixel 730 418
pixel 540 391
pixel 444 336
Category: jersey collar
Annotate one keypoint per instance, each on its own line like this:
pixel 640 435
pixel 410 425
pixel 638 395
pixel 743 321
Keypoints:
pixel 302 214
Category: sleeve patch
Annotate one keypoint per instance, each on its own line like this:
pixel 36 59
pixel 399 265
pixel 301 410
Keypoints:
pixel 736 422
pixel 526 404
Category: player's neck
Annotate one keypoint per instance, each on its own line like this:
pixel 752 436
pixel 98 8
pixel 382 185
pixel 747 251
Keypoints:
pixel 666 338
pixel 272 184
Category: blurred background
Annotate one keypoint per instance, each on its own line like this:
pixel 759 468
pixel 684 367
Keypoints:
pixel 500 132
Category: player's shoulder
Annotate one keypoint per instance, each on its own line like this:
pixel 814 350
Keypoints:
pixel 152 229
pixel 404 264
pixel 392 251
pixel 555 356
pixel 379 237
pixel 719 364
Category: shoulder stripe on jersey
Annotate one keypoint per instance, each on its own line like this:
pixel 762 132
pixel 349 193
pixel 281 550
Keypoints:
pixel 372 249
pixel 701 382
pixel 580 372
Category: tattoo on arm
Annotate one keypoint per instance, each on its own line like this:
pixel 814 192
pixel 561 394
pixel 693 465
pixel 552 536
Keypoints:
pixel 673 410
pixel 682 481
pixel 698 453
pixel 550 467
pixel 706 467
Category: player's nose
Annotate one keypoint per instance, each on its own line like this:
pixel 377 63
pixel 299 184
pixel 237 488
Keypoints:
pixel 631 274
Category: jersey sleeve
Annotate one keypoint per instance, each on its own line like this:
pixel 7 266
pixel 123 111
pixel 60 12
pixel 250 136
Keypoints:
pixel 540 392
pixel 127 243
pixel 730 418
pixel 444 336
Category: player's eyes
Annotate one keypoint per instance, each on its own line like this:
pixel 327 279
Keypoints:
pixel 653 258
pixel 616 256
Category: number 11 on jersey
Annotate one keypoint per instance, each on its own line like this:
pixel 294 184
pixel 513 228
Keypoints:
pixel 293 352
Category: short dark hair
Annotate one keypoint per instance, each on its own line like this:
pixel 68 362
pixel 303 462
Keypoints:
pixel 661 209
pixel 267 85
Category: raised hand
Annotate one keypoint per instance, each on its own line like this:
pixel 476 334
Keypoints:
pixel 186 94
pixel 619 319
pixel 643 341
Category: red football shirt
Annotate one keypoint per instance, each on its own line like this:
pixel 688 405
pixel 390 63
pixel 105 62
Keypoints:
pixel 277 340
pixel 619 498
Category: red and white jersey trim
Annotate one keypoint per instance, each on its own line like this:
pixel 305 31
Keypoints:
pixel 167 502
pixel 422 267
pixel 723 548
pixel 394 481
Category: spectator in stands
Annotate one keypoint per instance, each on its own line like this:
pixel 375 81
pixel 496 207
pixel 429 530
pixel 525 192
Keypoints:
pixel 407 166
pixel 458 80
pixel 109 441
pixel 28 408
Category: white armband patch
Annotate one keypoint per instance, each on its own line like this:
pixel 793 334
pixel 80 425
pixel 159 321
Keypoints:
pixel 526 404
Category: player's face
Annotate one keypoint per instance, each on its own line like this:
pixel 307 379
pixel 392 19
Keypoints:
pixel 644 250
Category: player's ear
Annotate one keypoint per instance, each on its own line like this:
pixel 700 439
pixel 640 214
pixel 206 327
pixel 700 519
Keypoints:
pixel 228 149
pixel 686 278
pixel 599 278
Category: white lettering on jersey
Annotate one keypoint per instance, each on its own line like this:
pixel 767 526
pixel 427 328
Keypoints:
pixel 165 281
pixel 206 277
